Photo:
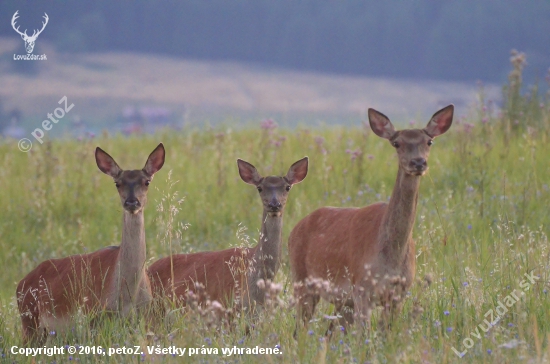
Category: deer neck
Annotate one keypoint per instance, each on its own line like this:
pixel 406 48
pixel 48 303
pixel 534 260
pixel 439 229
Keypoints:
pixel 268 251
pixel 395 234
pixel 130 268
pixel 265 257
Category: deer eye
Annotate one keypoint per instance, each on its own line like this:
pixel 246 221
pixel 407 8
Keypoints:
pixel 430 142
pixel 288 188
pixel 117 184
pixel 395 144
pixel 260 189
pixel 147 183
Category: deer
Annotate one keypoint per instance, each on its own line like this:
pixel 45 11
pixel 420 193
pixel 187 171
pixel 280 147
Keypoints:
pixel 29 41
pixel 112 280
pixel 359 258
pixel 235 273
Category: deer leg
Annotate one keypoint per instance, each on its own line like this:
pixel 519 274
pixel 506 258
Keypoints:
pixel 305 304
pixel 392 302
pixel 33 333
pixel 363 304
pixel 390 311
pixel 345 311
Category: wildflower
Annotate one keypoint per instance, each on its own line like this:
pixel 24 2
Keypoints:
pixel 468 127
pixel 489 351
pixel 367 342
pixel 469 226
pixel 446 313
pixel 449 329
pixel 310 332
pixel 354 153
pixel 208 340
pixel 268 124
pixel 485 120
pixel 465 284
pixel 437 323
pixel 319 140
pixel 510 344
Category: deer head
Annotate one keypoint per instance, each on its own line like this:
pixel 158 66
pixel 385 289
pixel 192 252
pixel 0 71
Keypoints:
pixel 412 145
pixel 29 41
pixel 273 190
pixel 132 185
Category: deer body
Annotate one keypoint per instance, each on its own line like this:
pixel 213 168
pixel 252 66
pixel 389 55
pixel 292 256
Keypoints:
pixel 112 279
pixel 367 255
pixel 233 274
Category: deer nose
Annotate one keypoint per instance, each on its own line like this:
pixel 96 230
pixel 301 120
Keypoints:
pixel 274 205
pixel 419 164
pixel 131 202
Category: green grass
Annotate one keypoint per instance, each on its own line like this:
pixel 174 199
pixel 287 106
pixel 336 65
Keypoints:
pixel 482 223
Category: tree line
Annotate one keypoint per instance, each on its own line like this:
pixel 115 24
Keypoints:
pixel 437 39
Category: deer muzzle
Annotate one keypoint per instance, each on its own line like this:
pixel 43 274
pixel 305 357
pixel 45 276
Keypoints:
pixel 418 166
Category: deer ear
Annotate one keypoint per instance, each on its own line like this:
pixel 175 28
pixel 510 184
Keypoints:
pixel 155 161
pixel 298 171
pixel 106 163
pixel 248 173
pixel 380 124
pixel 441 121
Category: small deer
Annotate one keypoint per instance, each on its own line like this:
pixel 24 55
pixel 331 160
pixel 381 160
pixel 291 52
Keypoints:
pixel 358 258
pixel 112 279
pixel 234 273
pixel 29 41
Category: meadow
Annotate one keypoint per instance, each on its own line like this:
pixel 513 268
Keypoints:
pixel 482 223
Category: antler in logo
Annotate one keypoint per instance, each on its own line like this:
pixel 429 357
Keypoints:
pixel 29 41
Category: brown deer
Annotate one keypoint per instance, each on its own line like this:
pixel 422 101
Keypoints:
pixel 367 254
pixel 233 273
pixel 112 279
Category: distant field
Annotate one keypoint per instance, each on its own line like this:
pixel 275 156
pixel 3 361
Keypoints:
pixel 101 85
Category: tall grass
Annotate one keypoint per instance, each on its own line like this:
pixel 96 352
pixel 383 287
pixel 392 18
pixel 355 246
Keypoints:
pixel 482 222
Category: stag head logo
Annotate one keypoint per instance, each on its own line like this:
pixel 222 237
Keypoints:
pixel 29 40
